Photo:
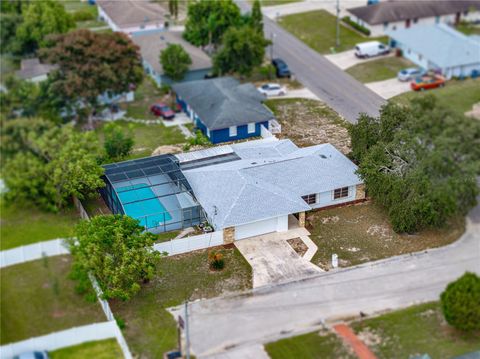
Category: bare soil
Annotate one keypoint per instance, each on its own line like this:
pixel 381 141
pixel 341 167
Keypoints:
pixel 298 246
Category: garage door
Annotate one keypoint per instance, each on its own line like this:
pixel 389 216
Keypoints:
pixel 257 228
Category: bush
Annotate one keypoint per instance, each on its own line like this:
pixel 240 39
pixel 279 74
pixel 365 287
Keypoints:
pixel 216 261
pixel 362 29
pixel 120 322
pixel 461 303
pixel 118 141
pixel 83 15
pixel 199 140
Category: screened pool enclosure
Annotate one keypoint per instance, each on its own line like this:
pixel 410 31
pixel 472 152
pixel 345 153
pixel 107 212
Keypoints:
pixel 152 190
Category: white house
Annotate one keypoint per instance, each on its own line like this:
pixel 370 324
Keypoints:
pixel 394 15
pixel 132 16
pixel 439 47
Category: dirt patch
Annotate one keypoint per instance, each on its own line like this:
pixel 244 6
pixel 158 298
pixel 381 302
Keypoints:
pixel 166 149
pixel 310 122
pixel 369 337
pixel 298 246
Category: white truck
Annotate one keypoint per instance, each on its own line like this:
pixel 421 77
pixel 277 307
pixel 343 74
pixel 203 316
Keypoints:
pixel 370 49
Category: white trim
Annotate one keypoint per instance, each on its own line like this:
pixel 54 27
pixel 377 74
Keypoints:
pixel 251 127
pixel 232 131
pixel 208 132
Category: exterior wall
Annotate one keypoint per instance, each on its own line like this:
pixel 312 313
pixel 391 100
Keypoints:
pixel 301 219
pixel 270 225
pixel 223 135
pixel 228 235
pixel 325 199
pixel 360 192
pixel 161 79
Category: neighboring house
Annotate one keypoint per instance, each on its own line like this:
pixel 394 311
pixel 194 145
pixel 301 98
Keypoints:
pixel 132 16
pixel 252 188
pixel 225 110
pixel 439 47
pixel 153 43
pixel 400 14
pixel 34 71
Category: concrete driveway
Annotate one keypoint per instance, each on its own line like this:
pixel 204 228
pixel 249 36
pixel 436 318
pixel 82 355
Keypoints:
pixel 389 88
pixel 347 59
pixel 273 260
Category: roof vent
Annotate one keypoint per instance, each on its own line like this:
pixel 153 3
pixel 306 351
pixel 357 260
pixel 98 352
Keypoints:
pixel 253 163
pixel 162 37
pixel 323 156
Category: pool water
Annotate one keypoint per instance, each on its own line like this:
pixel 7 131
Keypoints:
pixel 156 214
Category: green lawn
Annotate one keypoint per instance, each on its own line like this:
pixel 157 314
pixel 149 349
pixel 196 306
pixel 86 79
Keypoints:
pixel 37 298
pixel 150 329
pixel 275 2
pixel 102 349
pixel 318 30
pixel 416 330
pixel 468 28
pixel 78 5
pixel 145 95
pixel 90 24
pixel 380 69
pixel 309 346
pixel 458 95
pixel 24 224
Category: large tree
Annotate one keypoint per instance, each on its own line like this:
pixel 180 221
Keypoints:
pixel 117 251
pixel 420 162
pixel 256 18
pixel 175 61
pixel 242 50
pixel 91 64
pixel 47 164
pixel 118 142
pixel 208 20
pixel 42 18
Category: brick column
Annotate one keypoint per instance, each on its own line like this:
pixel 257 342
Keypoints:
pixel 301 219
pixel 360 192
pixel 228 235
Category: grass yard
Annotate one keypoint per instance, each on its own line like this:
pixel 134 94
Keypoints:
pixel 318 30
pixel 416 330
pixel 380 69
pixel 362 233
pixel 145 96
pixel 460 96
pixel 37 298
pixel 23 224
pixel 102 349
pixel 150 329
pixel 309 346
pixel 310 122
pixel 90 24
pixel 468 28
pixel 275 2
pixel 78 5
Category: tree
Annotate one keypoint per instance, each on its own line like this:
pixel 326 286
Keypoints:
pixel 461 303
pixel 47 164
pixel 208 20
pixel 91 64
pixel 42 18
pixel 242 50
pixel 419 162
pixel 173 8
pixel 8 27
pixel 175 61
pixel 256 18
pixel 118 142
pixel 117 251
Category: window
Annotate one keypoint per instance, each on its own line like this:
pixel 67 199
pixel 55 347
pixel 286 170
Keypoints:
pixel 310 198
pixel 232 131
pixel 415 20
pixel 251 127
pixel 340 193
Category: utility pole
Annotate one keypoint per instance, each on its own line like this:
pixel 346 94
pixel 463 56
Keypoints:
pixel 187 334
pixel 337 42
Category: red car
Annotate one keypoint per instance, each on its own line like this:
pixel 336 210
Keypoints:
pixel 427 82
pixel 160 109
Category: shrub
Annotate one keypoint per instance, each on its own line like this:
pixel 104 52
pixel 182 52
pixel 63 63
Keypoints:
pixel 83 15
pixel 120 322
pixel 216 261
pixel 362 29
pixel 199 140
pixel 461 303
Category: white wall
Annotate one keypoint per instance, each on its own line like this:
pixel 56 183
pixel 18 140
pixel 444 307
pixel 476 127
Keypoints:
pixel 325 199
pixel 188 244
pixel 275 224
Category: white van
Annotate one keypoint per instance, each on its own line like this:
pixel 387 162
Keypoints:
pixel 371 48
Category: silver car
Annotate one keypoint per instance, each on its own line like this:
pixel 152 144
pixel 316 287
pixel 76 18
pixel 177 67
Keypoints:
pixel 409 74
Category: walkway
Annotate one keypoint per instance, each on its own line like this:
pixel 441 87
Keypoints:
pixel 349 337
pixel 389 88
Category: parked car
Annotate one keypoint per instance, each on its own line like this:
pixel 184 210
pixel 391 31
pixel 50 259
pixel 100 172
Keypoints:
pixel 281 68
pixel 32 355
pixel 370 49
pixel 427 82
pixel 272 90
pixel 410 73
pixel 160 109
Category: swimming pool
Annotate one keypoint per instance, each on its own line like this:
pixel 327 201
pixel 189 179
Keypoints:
pixel 146 205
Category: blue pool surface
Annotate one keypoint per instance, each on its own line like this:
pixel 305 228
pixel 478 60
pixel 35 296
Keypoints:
pixel 152 207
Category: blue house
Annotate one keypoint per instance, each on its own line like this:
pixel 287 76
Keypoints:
pixel 151 45
pixel 224 109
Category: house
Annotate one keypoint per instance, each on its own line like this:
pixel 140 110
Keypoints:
pixel 400 14
pixel 151 44
pixel 458 54
pixel 34 71
pixel 225 110
pixel 132 16
pixel 252 188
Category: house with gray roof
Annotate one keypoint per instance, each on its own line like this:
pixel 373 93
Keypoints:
pixel 439 47
pixel 33 70
pixel 132 16
pixel 224 109
pixel 251 188
pixel 391 15
pixel 152 44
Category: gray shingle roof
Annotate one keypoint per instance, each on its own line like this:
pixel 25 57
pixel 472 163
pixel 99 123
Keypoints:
pixel 133 13
pixel 268 180
pixel 31 68
pixel 399 10
pixel 152 44
pixel 223 102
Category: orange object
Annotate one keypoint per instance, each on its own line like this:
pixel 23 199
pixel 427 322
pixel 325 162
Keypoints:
pixel 349 337
pixel 427 82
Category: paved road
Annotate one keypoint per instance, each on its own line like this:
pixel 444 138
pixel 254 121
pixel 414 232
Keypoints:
pixel 244 321
pixel 339 90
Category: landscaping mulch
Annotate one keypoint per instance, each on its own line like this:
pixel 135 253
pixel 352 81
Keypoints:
pixel 298 246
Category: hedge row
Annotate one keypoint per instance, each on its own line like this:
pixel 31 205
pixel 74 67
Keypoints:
pixel 362 29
